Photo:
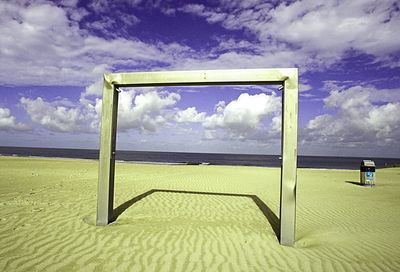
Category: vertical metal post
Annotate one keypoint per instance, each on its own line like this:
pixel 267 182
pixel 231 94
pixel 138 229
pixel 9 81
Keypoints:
pixel 105 190
pixel 287 212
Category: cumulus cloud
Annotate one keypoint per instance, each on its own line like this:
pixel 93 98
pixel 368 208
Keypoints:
pixel 91 109
pixel 145 111
pixel 96 88
pixel 63 115
pixel 243 117
pixel 190 115
pixel 52 116
pixel 9 123
pixel 363 116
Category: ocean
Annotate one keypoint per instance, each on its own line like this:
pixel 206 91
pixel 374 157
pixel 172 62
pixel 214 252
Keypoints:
pixel 199 158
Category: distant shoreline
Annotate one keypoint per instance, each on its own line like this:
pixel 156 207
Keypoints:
pixel 182 158
pixel 184 152
pixel 355 166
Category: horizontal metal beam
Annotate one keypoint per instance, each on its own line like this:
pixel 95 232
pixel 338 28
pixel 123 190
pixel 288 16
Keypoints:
pixel 201 77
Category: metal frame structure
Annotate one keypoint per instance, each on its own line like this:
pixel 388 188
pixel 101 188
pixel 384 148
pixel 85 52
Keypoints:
pixel 287 77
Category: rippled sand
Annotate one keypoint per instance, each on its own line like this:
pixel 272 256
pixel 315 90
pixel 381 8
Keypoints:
pixel 47 214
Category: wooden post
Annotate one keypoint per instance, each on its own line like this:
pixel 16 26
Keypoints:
pixel 287 212
pixel 105 193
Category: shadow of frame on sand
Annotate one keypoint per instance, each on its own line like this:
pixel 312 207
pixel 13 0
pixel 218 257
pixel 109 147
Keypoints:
pixel 359 183
pixel 268 213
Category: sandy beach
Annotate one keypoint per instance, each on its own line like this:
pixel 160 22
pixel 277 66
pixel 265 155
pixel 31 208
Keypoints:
pixel 47 215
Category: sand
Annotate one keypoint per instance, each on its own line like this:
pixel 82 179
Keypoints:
pixel 47 214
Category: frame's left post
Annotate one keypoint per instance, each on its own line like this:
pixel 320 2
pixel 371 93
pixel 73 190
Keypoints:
pixel 105 190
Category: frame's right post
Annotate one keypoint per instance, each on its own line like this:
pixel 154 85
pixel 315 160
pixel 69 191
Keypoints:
pixel 287 215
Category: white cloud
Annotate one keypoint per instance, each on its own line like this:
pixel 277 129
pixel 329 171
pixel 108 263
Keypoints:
pixel 258 56
pixel 210 134
pixel 244 116
pixel 104 6
pixel 91 109
pixel 60 51
pixel 364 116
pixel 145 111
pixel 128 19
pixel 77 14
pixel 226 45
pixel 69 3
pixel 322 32
pixel 96 88
pixel 360 95
pixel 57 51
pixel 168 11
pixel 8 122
pixel 334 27
pixel 303 87
pixel 113 27
pixel 151 102
pixel 53 117
pixel 190 115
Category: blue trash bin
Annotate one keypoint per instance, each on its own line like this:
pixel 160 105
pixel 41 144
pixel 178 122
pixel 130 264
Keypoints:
pixel 367 173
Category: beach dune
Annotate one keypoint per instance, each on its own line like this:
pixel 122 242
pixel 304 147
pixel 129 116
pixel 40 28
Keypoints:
pixel 193 218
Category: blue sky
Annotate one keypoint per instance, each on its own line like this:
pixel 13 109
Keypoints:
pixel 54 53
